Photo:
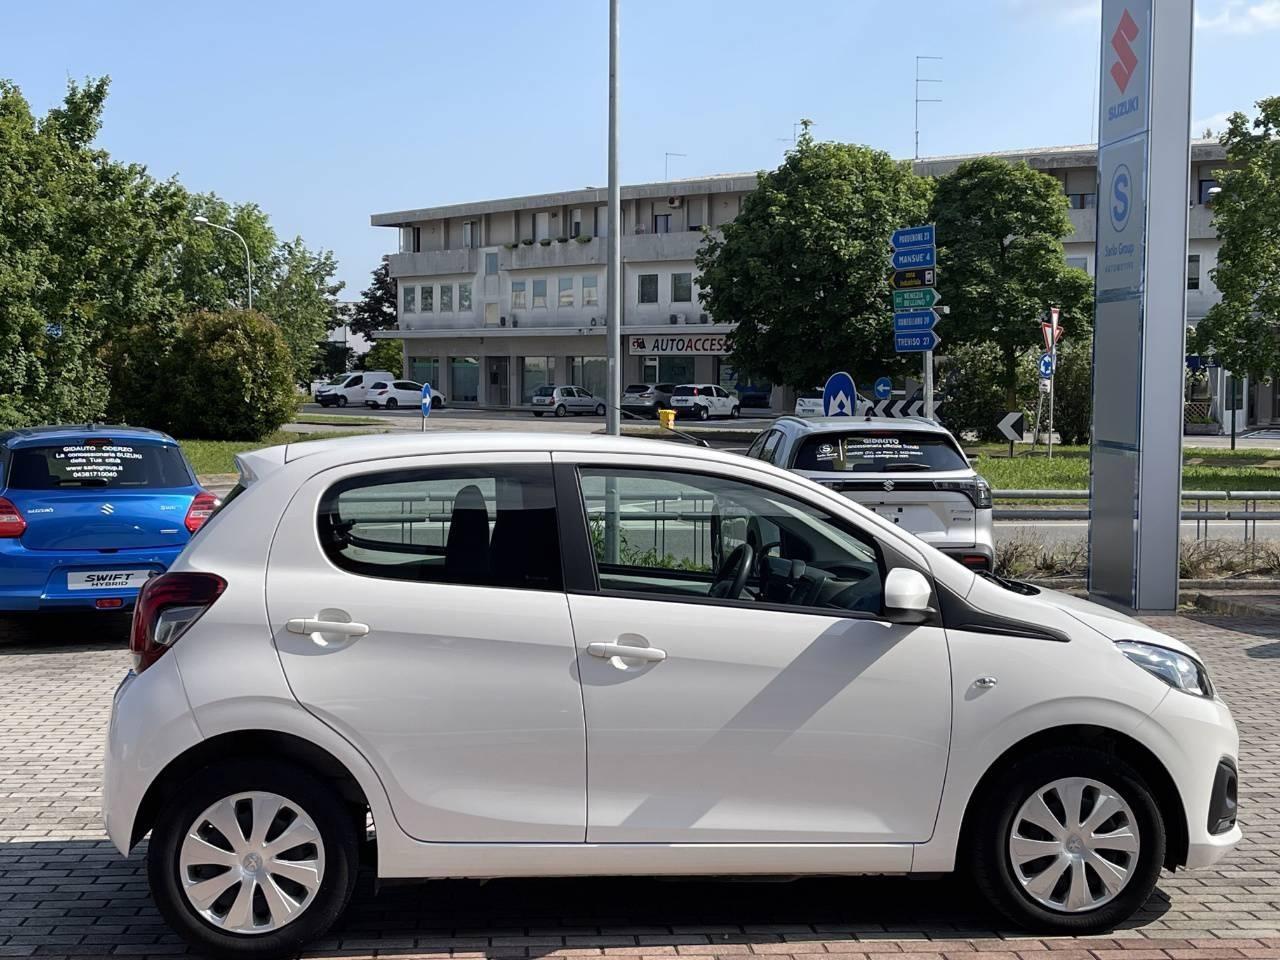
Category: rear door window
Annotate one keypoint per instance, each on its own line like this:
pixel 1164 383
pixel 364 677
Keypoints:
pixel 99 462
pixel 879 451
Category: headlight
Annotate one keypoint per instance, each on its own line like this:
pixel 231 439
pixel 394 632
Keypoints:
pixel 1176 669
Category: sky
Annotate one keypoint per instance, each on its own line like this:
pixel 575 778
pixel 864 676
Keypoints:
pixel 325 112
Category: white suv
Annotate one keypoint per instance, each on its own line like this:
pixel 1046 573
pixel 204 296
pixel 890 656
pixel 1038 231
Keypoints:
pixel 552 655
pixel 910 471
pixel 703 401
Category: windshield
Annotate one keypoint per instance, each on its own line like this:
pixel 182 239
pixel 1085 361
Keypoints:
pixel 637 388
pixel 814 394
pixel 99 462
pixel 338 381
pixel 879 451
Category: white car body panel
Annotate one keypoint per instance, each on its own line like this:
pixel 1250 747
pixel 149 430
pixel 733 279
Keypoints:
pixel 329 394
pixel 225 676
pixel 404 398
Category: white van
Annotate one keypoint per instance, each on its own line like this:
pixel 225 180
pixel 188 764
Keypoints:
pixel 349 388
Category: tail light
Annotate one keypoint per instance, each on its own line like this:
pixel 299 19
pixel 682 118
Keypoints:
pixel 975 561
pixel 12 522
pixel 167 607
pixel 382 393
pixel 201 509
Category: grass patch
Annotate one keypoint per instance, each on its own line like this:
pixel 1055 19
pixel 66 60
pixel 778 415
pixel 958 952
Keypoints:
pixel 218 456
pixel 336 420
pixel 1203 469
pixel 1030 557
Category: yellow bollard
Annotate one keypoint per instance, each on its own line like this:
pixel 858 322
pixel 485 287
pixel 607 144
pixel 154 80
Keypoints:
pixel 667 418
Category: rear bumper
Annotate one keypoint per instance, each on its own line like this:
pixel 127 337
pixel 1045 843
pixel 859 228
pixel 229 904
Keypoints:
pixel 37 579
pixel 650 408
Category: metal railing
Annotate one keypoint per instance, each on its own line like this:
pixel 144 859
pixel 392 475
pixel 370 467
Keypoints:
pixel 1203 514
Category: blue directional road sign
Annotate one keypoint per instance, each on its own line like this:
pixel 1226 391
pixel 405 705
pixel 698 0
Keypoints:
pixel 426 399
pixel 913 258
pixel 921 236
pixel 839 396
pixel 1046 366
pixel 915 342
pixel 907 321
pixel 884 388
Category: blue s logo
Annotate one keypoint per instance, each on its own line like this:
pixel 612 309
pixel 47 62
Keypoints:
pixel 1120 187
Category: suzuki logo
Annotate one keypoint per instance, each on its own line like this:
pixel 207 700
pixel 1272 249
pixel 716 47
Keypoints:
pixel 107 508
pixel 1127 61
pixel 888 485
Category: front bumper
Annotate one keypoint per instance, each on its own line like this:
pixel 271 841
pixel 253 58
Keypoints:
pixel 37 579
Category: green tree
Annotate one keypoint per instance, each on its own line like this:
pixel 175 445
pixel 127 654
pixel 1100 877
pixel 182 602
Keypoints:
pixel 804 268
pixel 229 376
pixel 376 308
pixel 332 359
pixel 1000 228
pixel 1241 329
pixel 209 266
pixel 300 295
pixel 383 355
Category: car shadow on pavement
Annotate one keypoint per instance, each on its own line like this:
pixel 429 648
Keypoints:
pixel 1267 627
pixel 79 898
pixel 54 630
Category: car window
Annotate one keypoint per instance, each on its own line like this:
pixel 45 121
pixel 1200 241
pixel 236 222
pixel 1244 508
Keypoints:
pixel 545 392
pixel 481 526
pixel 685 535
pixel 757 445
pixel 379 385
pixel 685 391
pixel 636 388
pixel 815 394
pixel 771 446
pixel 407 385
pixel 355 381
pixel 879 451
pixel 99 462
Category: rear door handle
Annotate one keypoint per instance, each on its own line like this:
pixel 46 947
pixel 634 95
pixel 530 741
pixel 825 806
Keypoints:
pixel 626 651
pixel 338 627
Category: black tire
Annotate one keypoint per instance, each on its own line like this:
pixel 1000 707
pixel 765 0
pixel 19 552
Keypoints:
pixel 599 409
pixel 342 401
pixel 561 410
pixel 993 871
pixel 334 822
pixel 436 402
pixel 735 412
pixel 537 413
pixel 392 403
pixel 703 412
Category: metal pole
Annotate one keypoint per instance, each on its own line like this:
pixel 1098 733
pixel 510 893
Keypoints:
pixel 1231 378
pixel 613 388
pixel 1053 371
pixel 928 384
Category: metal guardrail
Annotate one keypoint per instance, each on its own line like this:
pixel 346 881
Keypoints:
pixel 1249 514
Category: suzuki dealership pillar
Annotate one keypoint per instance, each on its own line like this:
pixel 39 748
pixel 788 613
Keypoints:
pixel 1140 302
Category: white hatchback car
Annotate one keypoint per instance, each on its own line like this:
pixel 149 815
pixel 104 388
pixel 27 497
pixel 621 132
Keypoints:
pixel 390 394
pixel 552 655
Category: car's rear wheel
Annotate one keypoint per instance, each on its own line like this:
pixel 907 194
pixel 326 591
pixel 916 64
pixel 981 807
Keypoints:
pixel 561 410
pixel 392 403
pixel 1068 841
pixel 252 858
pixel 703 412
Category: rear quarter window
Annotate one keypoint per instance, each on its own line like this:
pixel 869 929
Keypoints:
pixel 98 462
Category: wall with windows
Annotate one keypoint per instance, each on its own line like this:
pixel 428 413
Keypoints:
pixel 654 291
pixel 437 302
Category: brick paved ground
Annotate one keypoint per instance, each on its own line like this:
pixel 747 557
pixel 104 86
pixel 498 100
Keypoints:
pixel 65 892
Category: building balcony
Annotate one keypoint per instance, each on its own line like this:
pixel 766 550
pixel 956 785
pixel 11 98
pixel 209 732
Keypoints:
pixel 537 256
pixel 1200 223
pixel 644 247
pixel 1084 225
pixel 434 263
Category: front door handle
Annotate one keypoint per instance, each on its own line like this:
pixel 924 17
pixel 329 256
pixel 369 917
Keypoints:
pixel 334 627
pixel 626 651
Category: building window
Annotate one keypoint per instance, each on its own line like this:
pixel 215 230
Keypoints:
pixel 428 301
pixel 464 296
pixel 681 287
pixel 542 226
pixel 468 233
pixel 410 296
pixel 1205 187
pixel 648 288
pixel 590 292
pixel 540 294
pixel 1193 272
pixel 1079 263
pixel 575 222
pixel 566 291
pixel 518 301
pixel 425 369
pixel 1082 201
pixel 446 298
pixel 662 223
pixel 694 213
pixel 602 221
pixel 464 379
pixel 417 239
pixel 490 264
pixel 535 372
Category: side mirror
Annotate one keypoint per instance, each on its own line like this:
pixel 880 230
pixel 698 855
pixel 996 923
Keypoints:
pixel 906 596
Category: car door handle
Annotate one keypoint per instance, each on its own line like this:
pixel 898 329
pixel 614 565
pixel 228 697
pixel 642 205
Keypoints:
pixel 339 627
pixel 626 651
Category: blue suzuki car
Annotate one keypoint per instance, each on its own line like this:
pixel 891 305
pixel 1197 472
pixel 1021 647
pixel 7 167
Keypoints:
pixel 89 513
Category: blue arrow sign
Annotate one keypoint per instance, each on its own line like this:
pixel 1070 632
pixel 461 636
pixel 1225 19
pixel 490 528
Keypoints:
pixel 426 400
pixel 884 388
pixel 914 258
pixel 916 342
pixel 921 236
pixel 906 321
pixel 1046 366
pixel 839 396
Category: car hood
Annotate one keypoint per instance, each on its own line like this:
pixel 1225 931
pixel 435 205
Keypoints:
pixel 1112 624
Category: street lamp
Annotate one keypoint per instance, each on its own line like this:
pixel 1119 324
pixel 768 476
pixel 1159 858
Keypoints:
pixel 248 262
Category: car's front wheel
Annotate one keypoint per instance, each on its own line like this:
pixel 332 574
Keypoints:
pixel 1068 841
pixel 392 403
pixel 561 410
pixel 342 401
pixel 599 409
pixel 252 858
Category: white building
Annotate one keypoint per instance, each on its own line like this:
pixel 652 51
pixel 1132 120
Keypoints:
pixel 501 296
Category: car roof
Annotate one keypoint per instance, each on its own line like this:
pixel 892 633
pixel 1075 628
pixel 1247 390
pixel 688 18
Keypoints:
pixel 860 424
pixel 31 436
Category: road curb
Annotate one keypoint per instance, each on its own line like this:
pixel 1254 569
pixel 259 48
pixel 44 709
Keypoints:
pixel 1248 607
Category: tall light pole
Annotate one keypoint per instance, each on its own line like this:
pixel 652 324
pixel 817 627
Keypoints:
pixel 613 328
pixel 248 262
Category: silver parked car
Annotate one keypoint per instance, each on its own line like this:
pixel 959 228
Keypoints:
pixel 562 401
pixel 911 472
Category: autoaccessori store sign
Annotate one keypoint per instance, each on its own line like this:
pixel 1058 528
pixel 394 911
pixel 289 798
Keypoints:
pixel 681 346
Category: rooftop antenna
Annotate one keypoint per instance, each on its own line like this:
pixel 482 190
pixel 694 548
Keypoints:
pixel 666 163
pixel 919 99
pixel 795 131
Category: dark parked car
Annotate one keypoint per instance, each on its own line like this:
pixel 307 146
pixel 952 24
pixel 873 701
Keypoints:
pixel 646 399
